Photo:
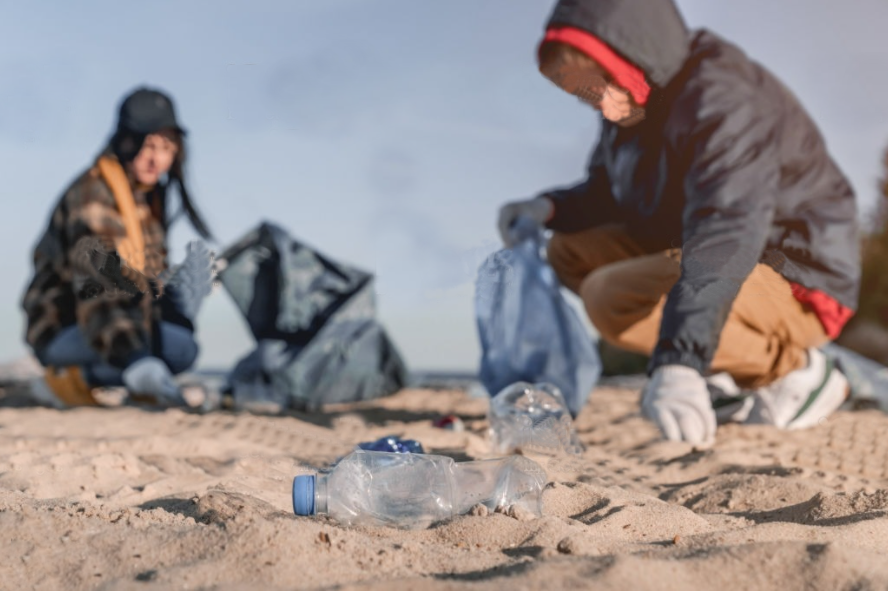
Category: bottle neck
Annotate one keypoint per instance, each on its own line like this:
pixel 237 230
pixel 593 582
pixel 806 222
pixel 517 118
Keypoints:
pixel 321 494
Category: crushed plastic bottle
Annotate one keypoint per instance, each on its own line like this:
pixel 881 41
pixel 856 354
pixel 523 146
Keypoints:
pixel 393 444
pixel 414 491
pixel 532 417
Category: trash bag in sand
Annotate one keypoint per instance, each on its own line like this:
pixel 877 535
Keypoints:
pixel 314 321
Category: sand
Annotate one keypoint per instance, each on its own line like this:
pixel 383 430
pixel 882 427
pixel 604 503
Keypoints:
pixel 129 498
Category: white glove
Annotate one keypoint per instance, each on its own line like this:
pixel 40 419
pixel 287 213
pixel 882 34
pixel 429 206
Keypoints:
pixel 151 376
pixel 538 209
pixel 677 399
pixel 192 281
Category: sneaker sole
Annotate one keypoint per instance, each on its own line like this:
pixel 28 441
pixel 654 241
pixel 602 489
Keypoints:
pixel 824 401
pixel 733 410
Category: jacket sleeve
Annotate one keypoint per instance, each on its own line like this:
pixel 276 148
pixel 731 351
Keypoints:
pixel 113 301
pixel 587 204
pixel 731 185
pixel 48 301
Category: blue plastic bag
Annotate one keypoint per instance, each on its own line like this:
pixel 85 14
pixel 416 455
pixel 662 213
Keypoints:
pixel 528 331
pixel 393 444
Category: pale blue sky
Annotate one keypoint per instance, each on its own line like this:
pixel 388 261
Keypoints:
pixel 384 132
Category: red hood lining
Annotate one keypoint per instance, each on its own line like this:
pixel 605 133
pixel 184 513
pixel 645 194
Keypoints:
pixel 624 73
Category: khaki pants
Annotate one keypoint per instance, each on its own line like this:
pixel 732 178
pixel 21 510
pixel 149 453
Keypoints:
pixel 624 290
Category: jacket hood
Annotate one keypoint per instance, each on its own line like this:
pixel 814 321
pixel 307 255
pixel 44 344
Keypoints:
pixel 651 34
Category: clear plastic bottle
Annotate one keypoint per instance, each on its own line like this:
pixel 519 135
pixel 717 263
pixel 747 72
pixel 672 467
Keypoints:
pixel 415 490
pixel 531 417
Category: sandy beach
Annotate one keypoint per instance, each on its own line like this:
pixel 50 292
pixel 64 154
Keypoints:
pixel 129 498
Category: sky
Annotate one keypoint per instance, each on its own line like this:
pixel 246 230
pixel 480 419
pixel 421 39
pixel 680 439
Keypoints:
pixel 384 133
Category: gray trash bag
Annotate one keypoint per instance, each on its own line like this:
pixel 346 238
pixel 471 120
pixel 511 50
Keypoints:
pixel 527 329
pixel 314 321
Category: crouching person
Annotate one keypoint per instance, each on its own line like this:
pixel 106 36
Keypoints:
pixel 98 314
pixel 714 233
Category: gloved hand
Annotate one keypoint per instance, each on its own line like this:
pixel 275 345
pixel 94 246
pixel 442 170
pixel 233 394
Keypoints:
pixel 151 376
pixel 189 283
pixel 677 399
pixel 538 209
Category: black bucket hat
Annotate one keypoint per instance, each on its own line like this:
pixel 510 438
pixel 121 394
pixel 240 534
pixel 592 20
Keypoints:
pixel 146 111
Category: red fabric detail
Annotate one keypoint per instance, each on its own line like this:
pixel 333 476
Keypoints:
pixel 624 73
pixel 832 315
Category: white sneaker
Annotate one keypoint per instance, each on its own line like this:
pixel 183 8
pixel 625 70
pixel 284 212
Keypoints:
pixel 730 403
pixel 804 397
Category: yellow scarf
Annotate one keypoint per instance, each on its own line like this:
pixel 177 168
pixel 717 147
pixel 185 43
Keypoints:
pixel 131 247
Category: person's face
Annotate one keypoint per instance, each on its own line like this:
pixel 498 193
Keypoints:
pixel 156 157
pixel 594 86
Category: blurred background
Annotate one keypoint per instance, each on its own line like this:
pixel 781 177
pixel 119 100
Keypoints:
pixel 384 133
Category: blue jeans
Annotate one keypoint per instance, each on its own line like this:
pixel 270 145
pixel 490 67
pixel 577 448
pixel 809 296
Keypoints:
pixel 69 347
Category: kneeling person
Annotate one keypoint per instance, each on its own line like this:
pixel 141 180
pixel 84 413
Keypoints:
pixel 714 233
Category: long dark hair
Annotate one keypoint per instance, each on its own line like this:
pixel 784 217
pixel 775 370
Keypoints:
pixel 125 145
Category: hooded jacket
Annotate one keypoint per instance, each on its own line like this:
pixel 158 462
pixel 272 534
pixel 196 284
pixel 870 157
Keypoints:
pixel 727 165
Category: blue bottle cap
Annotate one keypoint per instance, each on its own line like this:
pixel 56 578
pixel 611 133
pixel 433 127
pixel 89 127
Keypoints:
pixel 304 495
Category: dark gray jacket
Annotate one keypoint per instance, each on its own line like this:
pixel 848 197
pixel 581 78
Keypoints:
pixel 727 165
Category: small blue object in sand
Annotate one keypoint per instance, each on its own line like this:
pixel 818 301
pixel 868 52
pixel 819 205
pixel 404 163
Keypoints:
pixel 394 444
